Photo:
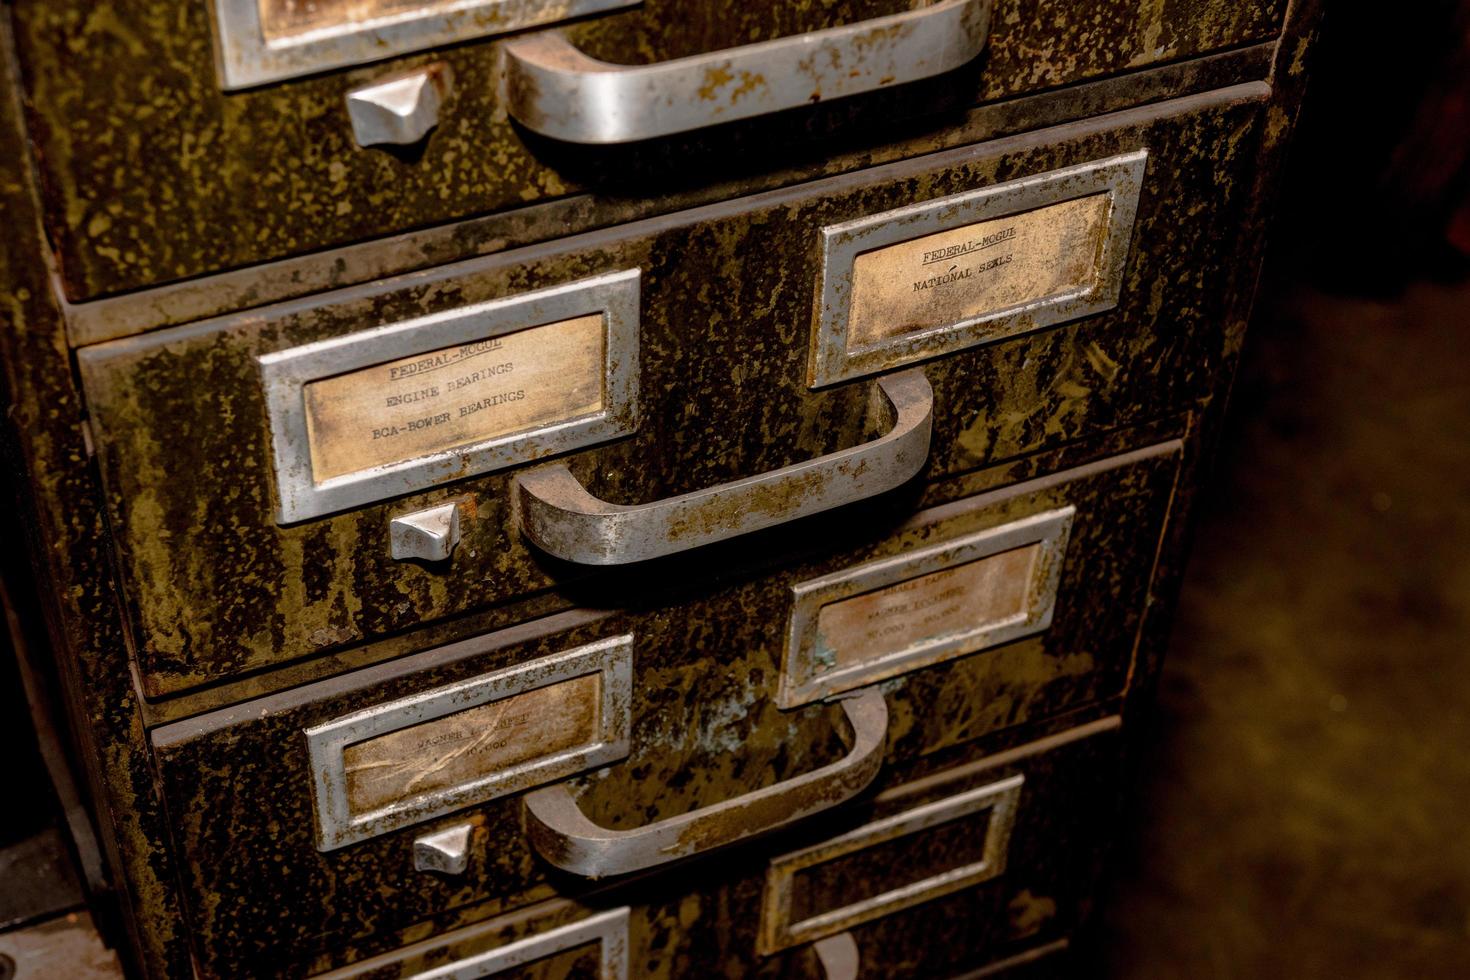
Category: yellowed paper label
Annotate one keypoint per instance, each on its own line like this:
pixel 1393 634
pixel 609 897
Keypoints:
pixel 971 598
pixel 453 397
pixel 285 18
pixel 474 743
pixel 958 275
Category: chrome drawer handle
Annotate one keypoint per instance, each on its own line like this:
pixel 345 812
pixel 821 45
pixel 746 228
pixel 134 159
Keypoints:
pixel 556 90
pixel 562 834
pixel 562 518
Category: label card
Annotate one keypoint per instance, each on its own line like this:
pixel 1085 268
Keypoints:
pixel 412 759
pixel 984 594
pixel 290 18
pixel 472 744
pixel 895 615
pixel 455 396
pixel 954 276
pixel 937 277
pixel 406 406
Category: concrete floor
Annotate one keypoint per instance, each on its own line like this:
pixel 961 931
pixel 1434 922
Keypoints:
pixel 66 947
pixel 1307 810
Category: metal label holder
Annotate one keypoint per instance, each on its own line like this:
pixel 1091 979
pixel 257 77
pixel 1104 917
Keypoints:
pixel 807 677
pixel 833 360
pixel 779 932
pixel 286 373
pixel 609 930
pixel 338 825
pixel 246 57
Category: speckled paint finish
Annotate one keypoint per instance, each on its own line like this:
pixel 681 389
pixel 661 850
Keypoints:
pixel 57 515
pixel 1065 815
pixel 1066 812
pixel 153 174
pixel 178 416
pixel 260 892
pixel 135 165
pixel 690 181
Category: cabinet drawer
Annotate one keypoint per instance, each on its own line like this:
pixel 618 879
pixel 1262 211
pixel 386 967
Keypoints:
pixel 609 743
pixel 252 497
pixel 987 867
pixel 155 171
pixel 552 940
pixel 981 869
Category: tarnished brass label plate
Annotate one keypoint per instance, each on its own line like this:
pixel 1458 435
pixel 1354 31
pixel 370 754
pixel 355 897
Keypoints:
pixel 409 405
pixel 408 760
pixel 455 396
pixel 920 608
pixel 473 743
pixel 937 277
pixel 889 865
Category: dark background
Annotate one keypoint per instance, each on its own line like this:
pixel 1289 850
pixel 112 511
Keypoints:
pixel 1304 811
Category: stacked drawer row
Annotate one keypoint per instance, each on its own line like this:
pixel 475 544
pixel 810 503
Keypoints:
pixel 716 535
pixel 670 720
pixel 801 752
pixel 236 558
pixel 181 137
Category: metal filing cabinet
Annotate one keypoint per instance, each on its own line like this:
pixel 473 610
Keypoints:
pixel 620 489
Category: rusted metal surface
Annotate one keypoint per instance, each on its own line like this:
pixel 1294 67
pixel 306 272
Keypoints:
pixel 864 624
pixel 259 890
pixel 59 518
pixel 1008 926
pixel 784 924
pixel 154 174
pixel 562 518
pixel 151 175
pixel 176 413
pixel 195 299
pixel 558 91
pixel 561 833
pixel 1001 926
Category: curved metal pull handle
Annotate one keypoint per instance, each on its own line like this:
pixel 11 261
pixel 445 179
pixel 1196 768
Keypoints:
pixel 562 518
pixel 558 91
pixel 563 835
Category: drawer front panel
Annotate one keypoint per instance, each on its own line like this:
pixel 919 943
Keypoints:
pixel 553 941
pixel 925 837
pixel 153 172
pixel 1047 811
pixel 705 730
pixel 730 311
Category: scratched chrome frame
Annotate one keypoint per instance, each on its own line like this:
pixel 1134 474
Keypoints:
pixel 833 360
pixel 804 678
pixel 245 57
pixel 777 932
pixel 608 929
pixel 286 373
pixel 337 825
